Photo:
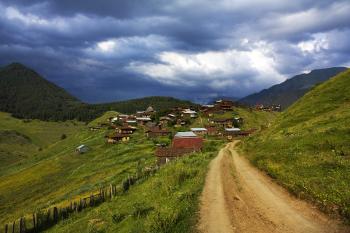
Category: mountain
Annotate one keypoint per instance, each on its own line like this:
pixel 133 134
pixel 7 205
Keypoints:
pixel 307 148
pixel 288 92
pixel 25 94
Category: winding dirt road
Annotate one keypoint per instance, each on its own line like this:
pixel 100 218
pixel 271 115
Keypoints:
pixel 239 198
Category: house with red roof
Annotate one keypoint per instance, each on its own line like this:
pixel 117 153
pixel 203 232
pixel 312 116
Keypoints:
pixel 183 143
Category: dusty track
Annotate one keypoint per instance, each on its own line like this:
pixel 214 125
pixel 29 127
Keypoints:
pixel 239 198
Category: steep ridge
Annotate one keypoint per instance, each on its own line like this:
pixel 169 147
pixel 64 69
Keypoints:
pixel 291 90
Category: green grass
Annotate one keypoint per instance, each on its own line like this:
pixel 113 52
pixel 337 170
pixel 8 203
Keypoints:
pixel 21 140
pixel 165 202
pixel 58 173
pixel 103 118
pixel 307 149
pixel 55 174
pixel 255 119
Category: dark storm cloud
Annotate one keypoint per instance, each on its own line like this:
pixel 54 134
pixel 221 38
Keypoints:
pixel 107 50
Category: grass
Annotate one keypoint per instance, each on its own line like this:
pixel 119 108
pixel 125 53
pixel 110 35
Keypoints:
pixel 22 140
pixel 307 149
pixel 58 173
pixel 165 202
pixel 103 119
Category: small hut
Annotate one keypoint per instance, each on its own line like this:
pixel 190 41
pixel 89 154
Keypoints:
pixel 82 149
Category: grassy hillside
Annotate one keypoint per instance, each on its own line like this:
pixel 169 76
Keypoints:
pixel 103 118
pixel 165 202
pixel 307 149
pixel 58 173
pixel 24 139
pixel 292 89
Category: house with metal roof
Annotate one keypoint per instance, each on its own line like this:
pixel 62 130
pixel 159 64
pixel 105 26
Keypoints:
pixel 199 131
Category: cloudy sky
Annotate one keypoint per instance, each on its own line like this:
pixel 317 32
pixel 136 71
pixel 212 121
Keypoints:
pixel 112 49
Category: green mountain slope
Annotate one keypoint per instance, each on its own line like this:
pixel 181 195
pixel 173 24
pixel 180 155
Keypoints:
pixel 22 139
pixel 291 90
pixel 26 94
pixel 308 149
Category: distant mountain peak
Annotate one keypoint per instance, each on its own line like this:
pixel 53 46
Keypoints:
pixel 289 91
pixel 16 66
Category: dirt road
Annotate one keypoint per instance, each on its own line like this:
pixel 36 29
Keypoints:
pixel 239 198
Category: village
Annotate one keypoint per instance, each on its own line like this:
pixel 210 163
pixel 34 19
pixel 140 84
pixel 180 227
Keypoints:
pixel 177 131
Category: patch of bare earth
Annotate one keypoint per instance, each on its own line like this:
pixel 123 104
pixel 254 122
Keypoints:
pixel 237 197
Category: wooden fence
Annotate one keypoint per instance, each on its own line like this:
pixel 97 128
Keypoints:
pixel 45 219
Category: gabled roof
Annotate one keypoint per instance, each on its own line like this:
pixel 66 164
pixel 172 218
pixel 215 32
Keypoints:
pixel 80 147
pixel 185 134
pixel 232 129
pixel 189 111
pixel 143 119
pixel 198 129
pixel 131 121
pixel 150 109
pixel 208 106
pixel 123 115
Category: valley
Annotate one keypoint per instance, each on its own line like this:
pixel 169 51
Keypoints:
pixel 176 166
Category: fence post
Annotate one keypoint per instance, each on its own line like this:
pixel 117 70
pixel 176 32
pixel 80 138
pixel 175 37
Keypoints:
pixel 34 222
pixel 48 217
pixel 13 226
pixel 55 214
pixel 91 202
pixel 22 225
pixel 111 190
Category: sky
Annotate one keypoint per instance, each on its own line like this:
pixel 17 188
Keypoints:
pixel 107 50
